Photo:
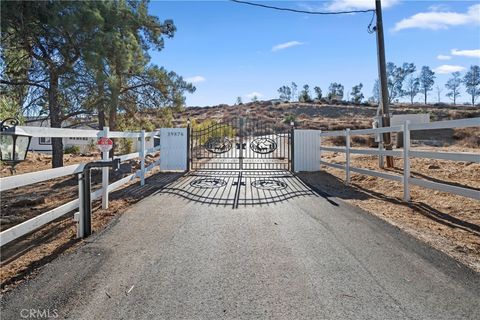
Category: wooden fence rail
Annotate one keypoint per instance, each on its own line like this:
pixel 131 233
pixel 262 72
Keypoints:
pixel 406 154
pixel 21 180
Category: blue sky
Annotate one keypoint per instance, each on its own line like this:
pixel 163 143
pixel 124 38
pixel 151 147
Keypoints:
pixel 231 50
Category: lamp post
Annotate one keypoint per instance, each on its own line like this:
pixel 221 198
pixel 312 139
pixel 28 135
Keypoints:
pixel 13 145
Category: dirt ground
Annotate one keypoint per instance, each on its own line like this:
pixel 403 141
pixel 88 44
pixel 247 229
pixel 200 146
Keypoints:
pixel 447 222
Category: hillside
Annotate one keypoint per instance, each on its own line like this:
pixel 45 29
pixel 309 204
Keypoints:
pixel 338 116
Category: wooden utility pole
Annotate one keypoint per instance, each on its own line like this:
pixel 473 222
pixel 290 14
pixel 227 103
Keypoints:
pixel 382 72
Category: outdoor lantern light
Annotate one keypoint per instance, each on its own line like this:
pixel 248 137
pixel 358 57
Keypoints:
pixel 13 145
pixel 188 121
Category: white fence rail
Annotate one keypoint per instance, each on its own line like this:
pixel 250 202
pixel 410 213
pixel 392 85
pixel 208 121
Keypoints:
pixel 21 180
pixel 406 154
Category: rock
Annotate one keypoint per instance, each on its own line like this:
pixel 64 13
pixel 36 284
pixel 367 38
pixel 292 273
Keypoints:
pixel 24 201
pixel 433 167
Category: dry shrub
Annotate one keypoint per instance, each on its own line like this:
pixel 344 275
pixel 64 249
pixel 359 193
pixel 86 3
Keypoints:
pixel 360 141
pixel 337 126
pixel 337 141
pixel 468 137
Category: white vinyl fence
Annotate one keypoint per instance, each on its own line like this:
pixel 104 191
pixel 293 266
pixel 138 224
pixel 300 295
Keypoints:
pixel 21 180
pixel 406 154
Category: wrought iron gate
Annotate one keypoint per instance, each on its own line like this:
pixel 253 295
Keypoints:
pixel 241 144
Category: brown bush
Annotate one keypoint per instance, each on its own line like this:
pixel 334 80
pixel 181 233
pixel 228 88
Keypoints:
pixel 337 141
pixel 468 137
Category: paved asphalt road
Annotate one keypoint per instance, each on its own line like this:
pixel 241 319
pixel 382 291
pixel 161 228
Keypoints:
pixel 186 253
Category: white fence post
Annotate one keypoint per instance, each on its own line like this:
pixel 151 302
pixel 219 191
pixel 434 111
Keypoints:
pixel 347 156
pixel 142 158
pixel 80 217
pixel 105 174
pixel 406 161
pixel 320 152
pixel 380 157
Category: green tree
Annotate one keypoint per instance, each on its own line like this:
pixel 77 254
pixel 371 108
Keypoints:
pixel 285 93
pixel 472 82
pixel 412 87
pixel 305 94
pixel 357 95
pixel 453 86
pixel 396 76
pixel 289 118
pixel 375 98
pixel 10 109
pixel 318 92
pixel 293 90
pixel 254 98
pixel 120 63
pixel 427 80
pixel 239 101
pixel 49 37
pixel 335 91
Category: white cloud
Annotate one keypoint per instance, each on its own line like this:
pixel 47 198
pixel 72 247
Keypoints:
pixel 286 45
pixel 254 94
pixel 443 57
pixel 345 5
pixel 196 79
pixel 447 68
pixel 435 20
pixel 475 53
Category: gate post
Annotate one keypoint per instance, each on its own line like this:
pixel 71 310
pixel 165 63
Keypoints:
pixel 347 156
pixel 188 145
pixel 105 173
pixel 406 161
pixel 80 218
pixel 292 149
pixel 320 152
pixel 142 157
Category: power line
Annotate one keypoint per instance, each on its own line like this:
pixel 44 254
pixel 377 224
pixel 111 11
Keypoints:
pixel 371 29
pixel 302 11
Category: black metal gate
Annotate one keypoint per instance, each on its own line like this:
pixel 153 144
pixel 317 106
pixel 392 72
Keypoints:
pixel 241 144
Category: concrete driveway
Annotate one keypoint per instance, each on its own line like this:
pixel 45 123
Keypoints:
pixel 250 245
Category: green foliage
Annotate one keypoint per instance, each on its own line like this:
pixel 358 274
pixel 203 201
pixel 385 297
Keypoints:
pixel 318 93
pixel 335 91
pixel 293 90
pixel 427 79
pixel 412 87
pixel 212 129
pixel 289 118
pixel 375 98
pixel 73 57
pixel 453 86
pixel 396 76
pixel 239 101
pixel 10 109
pixel 472 82
pixel 285 93
pixel 357 95
pixel 72 150
pixel 305 94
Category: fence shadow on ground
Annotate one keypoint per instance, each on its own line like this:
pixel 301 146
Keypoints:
pixel 240 188
pixel 336 187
